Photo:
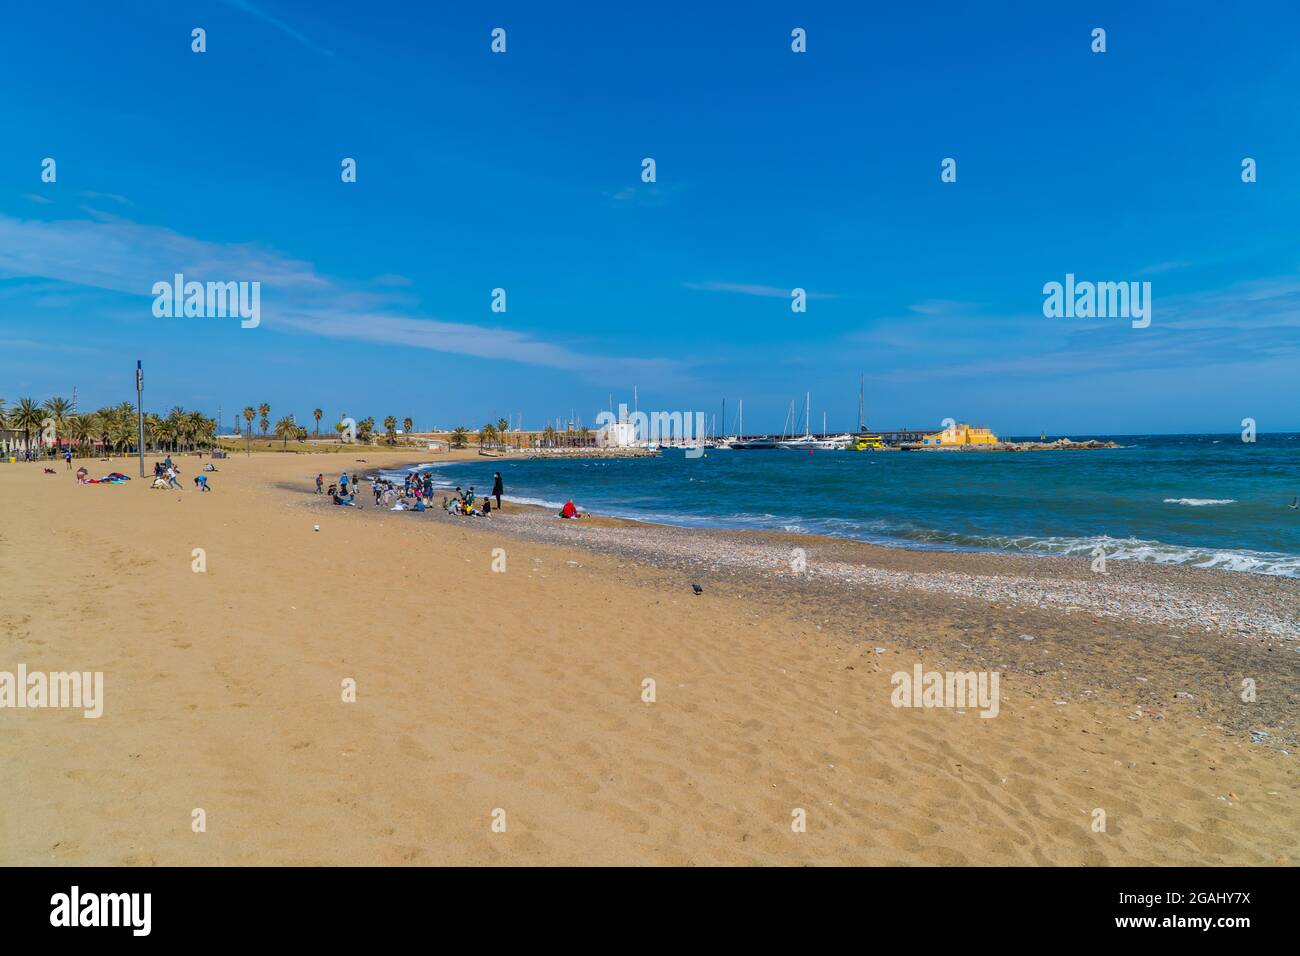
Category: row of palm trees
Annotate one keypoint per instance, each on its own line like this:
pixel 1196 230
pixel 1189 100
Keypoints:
pixel 56 422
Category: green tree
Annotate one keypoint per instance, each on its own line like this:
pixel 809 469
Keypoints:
pixel 58 410
pixel 284 428
pixel 390 429
pixel 459 437
pixel 26 417
pixel 264 419
pixel 316 413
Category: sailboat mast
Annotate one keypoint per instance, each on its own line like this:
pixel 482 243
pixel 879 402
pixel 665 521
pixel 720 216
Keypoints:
pixel 807 413
pixel 862 422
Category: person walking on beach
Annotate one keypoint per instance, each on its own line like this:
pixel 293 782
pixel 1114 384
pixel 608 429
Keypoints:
pixel 67 456
pixel 497 488
pixel 343 484
pixel 320 484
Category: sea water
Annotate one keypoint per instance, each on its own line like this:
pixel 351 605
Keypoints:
pixel 1204 500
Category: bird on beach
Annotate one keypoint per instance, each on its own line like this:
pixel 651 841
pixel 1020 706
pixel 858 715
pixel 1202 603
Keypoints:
pixel 697 589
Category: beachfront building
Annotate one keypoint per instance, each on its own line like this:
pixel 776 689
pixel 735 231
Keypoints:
pixel 616 435
pixel 961 434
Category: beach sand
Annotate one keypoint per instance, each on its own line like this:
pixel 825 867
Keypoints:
pixel 521 691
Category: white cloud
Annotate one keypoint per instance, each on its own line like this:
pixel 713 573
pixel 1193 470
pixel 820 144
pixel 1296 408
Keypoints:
pixel 126 257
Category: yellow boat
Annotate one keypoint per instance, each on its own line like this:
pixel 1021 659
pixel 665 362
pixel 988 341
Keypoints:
pixel 864 442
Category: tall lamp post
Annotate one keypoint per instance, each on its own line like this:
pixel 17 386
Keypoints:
pixel 139 411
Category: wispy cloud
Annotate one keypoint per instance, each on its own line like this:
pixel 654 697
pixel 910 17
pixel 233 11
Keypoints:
pixel 1160 267
pixel 249 8
pixel 1244 322
pixel 121 200
pixel 743 288
pixel 126 257
pixel 34 197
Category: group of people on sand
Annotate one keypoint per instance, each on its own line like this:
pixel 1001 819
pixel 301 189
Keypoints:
pixel 166 475
pixel 342 492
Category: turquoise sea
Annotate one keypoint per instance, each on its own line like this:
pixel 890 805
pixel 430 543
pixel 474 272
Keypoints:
pixel 1205 500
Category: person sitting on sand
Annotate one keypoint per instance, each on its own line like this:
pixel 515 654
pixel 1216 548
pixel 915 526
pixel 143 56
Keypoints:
pixel 333 490
pixel 570 510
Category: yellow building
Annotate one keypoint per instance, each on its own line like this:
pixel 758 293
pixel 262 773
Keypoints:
pixel 962 434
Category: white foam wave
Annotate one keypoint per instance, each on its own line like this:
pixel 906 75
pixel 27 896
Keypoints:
pixel 1200 502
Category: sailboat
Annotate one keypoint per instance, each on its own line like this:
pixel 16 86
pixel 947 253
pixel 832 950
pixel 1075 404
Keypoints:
pixel 864 441
pixel 741 443
pixel 807 440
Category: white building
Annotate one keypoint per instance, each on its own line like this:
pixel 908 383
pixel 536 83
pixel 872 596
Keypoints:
pixel 616 435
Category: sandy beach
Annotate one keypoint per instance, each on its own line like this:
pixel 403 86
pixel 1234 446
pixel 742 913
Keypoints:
pixel 518 695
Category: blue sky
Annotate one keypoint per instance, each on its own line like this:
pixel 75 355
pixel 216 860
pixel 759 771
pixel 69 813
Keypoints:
pixel 775 170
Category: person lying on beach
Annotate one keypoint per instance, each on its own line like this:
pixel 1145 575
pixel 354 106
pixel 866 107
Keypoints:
pixel 342 500
pixel 209 467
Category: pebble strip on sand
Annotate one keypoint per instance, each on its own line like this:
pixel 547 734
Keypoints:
pixel 1179 597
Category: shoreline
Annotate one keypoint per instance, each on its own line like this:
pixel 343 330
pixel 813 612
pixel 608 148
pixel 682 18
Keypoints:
pixel 1205 619
pixel 1086 545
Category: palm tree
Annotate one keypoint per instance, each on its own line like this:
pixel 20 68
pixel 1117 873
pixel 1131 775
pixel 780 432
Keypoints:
pixel 364 429
pixel 286 427
pixel 76 431
pixel 503 426
pixel 124 430
pixel 407 425
pixel 59 411
pixel 26 417
pixel 316 413
pixel 199 428
pixel 249 414
pixel 161 430
pixel 459 437
pixel 486 435
pixel 264 410
pixel 390 429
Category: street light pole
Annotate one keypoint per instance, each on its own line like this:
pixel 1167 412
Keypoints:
pixel 139 411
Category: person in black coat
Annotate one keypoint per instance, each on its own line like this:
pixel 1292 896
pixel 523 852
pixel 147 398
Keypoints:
pixel 497 489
